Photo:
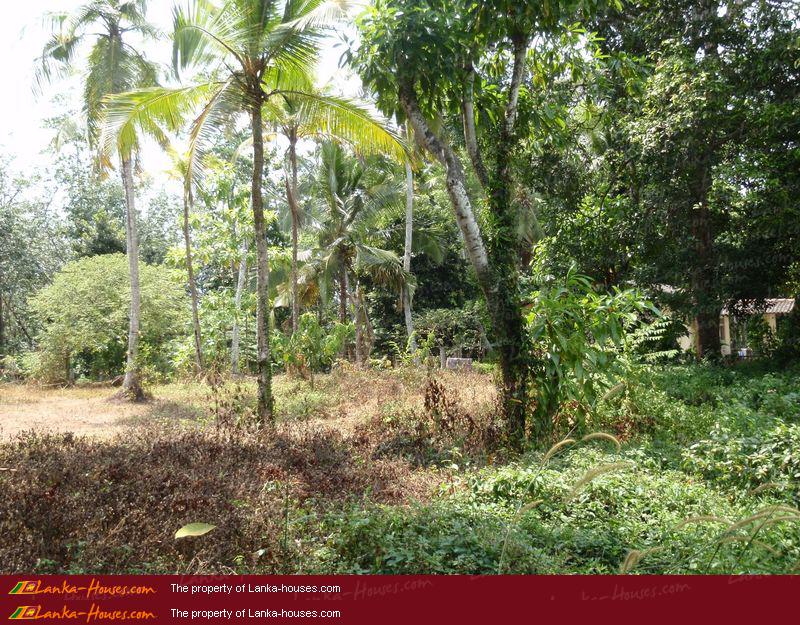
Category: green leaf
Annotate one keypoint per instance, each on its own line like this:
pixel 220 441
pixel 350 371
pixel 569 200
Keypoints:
pixel 194 529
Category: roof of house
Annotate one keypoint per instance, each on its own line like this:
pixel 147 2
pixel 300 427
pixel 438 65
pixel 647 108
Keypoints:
pixel 775 306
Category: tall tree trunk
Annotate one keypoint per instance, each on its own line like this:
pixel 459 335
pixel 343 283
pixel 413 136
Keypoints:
pixel 704 261
pixel 505 304
pixel 240 283
pixel 412 343
pixel 702 281
pixel 343 295
pixel 497 288
pixel 294 208
pixel 131 385
pixel 188 202
pixel 265 402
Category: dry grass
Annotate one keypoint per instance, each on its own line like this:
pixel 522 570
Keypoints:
pixel 343 399
pixel 111 499
pixel 89 411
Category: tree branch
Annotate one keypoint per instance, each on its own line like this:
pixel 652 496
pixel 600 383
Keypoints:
pixel 456 183
pixel 470 135
pixel 520 51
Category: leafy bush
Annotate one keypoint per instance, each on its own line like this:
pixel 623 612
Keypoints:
pixel 526 519
pixel 454 328
pixel 486 368
pixel 577 336
pixel 769 460
pixel 443 538
pixel 312 348
pixel 84 312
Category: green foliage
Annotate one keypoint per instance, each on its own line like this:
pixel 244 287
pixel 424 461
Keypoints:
pixel 487 368
pixel 735 427
pixel 769 460
pixel 686 123
pixel 434 40
pixel 313 347
pixel 454 328
pixel 32 249
pixel 94 208
pixel 524 519
pixel 578 335
pixel 217 316
pixel 84 317
pixel 760 337
pixel 113 65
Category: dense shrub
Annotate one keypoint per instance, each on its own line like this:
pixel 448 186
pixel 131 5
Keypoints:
pixel 578 336
pixel 312 348
pixel 84 312
pixel 769 460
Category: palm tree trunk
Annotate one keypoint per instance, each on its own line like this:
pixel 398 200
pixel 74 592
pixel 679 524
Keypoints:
pixel 291 196
pixel 131 385
pixel 187 240
pixel 265 402
pixel 359 328
pixel 343 296
pixel 240 282
pixel 412 344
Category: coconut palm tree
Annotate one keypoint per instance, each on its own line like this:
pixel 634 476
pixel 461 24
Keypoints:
pixel 317 115
pixel 114 66
pixel 250 53
pixel 353 194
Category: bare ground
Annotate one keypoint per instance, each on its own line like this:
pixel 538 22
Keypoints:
pixel 342 400
pixel 82 410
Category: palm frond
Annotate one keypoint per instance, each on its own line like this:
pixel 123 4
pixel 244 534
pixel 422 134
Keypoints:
pixel 331 117
pixel 203 33
pixel 384 267
pixel 154 111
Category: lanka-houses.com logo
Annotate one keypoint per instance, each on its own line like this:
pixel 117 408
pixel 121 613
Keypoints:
pixel 24 588
pixel 25 612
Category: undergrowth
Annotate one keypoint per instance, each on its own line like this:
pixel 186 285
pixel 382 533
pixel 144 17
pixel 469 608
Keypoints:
pixel 401 472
